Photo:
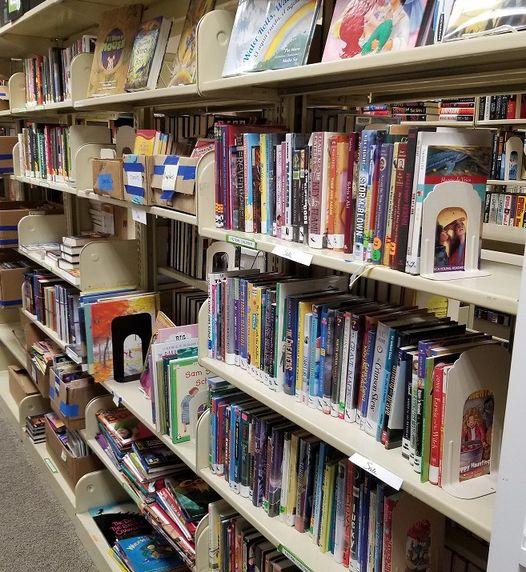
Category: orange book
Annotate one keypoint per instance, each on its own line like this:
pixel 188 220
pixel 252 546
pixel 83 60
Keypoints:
pixel 144 142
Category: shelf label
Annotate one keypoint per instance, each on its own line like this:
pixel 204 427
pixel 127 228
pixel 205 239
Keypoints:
pixel 134 179
pixel 377 471
pixel 169 177
pixel 240 241
pixel 50 465
pixel 292 254
pixel 139 215
pixel 294 559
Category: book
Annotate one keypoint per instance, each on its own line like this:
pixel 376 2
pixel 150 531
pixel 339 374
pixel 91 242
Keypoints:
pixel 116 33
pixel 147 54
pixel 270 35
pixel 363 28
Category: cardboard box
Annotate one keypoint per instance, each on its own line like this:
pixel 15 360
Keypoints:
pixel 107 178
pixel 72 468
pixel 137 174
pixel 180 193
pixel 11 280
pixel 20 384
pixel 69 400
pixel 10 214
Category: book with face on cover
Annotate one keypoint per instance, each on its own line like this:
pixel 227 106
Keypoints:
pixel 148 53
pixel 185 64
pixel 117 30
pixel 270 35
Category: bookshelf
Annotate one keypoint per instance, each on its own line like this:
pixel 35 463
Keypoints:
pixel 458 68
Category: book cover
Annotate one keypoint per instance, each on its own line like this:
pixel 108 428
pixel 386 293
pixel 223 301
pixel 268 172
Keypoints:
pixel 270 35
pixel 147 54
pixel 188 395
pixel 359 28
pixel 115 37
pixel 144 142
pixel 149 553
pixel 185 64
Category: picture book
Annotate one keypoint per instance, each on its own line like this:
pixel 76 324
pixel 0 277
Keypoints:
pixel 123 427
pixel 360 28
pixel 149 553
pixel 115 37
pixel 185 64
pixel 270 35
pixel 188 397
pixel 470 18
pixel 147 54
pixel 145 142
pixel 118 332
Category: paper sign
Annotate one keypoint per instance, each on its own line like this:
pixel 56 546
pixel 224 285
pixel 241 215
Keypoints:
pixel 139 215
pixel 169 177
pixel 378 471
pixel 293 254
pixel 239 241
pixel 294 559
pixel 134 179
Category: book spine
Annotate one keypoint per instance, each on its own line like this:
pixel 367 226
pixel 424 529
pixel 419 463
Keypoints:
pixel 397 209
pixel 406 202
pixel 289 178
pixel 389 505
pixel 352 370
pixel 264 182
pixel 344 365
pixel 331 196
pixel 361 197
pixel 349 199
pixel 316 216
pixel 384 179
pixel 436 425
pixel 277 228
pixel 413 367
pixel 348 510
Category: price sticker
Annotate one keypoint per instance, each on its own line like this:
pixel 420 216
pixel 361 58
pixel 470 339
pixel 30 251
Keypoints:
pixel 294 559
pixel 377 471
pixel 169 177
pixel 139 215
pixel 293 254
pixel 134 179
pixel 240 241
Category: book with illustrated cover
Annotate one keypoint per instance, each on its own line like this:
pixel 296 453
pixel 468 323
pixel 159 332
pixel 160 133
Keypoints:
pixel 147 54
pixel 123 427
pixel 270 35
pixel 148 553
pixel 117 31
pixel 359 28
pixel 186 57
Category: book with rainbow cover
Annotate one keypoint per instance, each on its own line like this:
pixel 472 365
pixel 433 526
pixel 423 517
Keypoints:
pixel 270 35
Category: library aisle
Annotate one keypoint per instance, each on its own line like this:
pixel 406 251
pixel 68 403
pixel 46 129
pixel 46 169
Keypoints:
pixel 32 517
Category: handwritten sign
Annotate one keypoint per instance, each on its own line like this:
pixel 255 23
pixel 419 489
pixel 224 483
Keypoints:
pixel 139 215
pixel 169 177
pixel 293 254
pixel 377 471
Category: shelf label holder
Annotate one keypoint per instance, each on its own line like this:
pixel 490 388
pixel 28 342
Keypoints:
pixel 294 559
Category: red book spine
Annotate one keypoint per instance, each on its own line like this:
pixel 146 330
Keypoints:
pixel 389 504
pixel 349 202
pixel 399 182
pixel 436 425
pixel 331 199
pixel 349 498
pixel 511 107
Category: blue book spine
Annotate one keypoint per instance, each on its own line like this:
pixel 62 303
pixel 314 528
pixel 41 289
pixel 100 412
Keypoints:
pixel 361 198
pixel 384 179
pixel 323 348
pixel 379 536
pixel 291 346
pixel 233 446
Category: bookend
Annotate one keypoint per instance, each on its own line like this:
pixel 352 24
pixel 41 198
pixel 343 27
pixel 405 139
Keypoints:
pixel 450 244
pixel 475 401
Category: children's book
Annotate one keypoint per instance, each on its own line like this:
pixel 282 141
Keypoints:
pixel 185 65
pixel 270 35
pixel 118 332
pixel 188 397
pixel 149 553
pixel 123 427
pixel 360 28
pixel 148 53
pixel 115 37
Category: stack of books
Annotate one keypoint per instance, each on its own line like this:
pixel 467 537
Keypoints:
pixel 494 107
pixel 416 111
pixel 36 428
pixel 42 354
pixel 187 250
pixel 457 110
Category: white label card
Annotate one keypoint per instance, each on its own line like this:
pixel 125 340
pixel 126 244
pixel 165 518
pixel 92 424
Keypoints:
pixel 241 241
pixel 169 177
pixel 134 179
pixel 377 471
pixel 293 254
pixel 139 215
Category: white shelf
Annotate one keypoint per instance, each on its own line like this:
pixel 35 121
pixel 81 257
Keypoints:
pixel 507 182
pixel 348 438
pixel 49 107
pixel 135 401
pixel 55 185
pixel 11 335
pixel 181 277
pixel 66 276
pixel 469 124
pixel 498 291
pixel 496 122
pixel 501 233
pixel 48 331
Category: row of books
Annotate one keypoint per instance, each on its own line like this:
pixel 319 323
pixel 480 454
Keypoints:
pixel 492 316
pixel 348 356
pixel 235 545
pixel 53 303
pixel 48 78
pixel 460 109
pixel 507 155
pixel 186 251
pixel 505 209
pixel 45 151
pixel 512 106
pixel 175 499
pixel 297 478
pixel 362 193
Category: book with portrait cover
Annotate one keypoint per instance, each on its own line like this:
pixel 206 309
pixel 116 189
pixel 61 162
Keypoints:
pixel 270 35
pixel 117 30
pixel 148 53
pixel 362 27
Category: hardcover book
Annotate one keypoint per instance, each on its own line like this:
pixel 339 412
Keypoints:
pixel 148 53
pixel 270 35
pixel 359 27
pixel 117 30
